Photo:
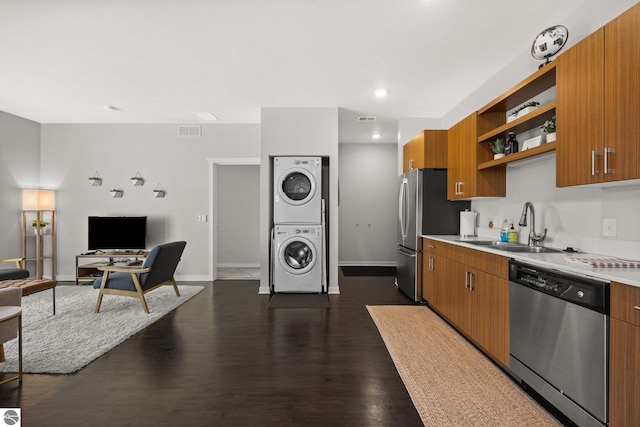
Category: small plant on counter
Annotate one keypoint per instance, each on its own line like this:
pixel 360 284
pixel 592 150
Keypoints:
pixel 497 146
pixel 35 223
pixel 550 125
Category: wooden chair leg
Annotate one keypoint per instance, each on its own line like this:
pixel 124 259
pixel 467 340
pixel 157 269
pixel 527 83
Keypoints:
pixel 136 283
pixel 105 277
pixel 175 286
pixel 99 302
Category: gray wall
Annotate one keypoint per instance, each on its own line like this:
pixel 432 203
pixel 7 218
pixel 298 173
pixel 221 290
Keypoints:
pixel 19 168
pixel 300 132
pixel 238 209
pixel 368 204
pixel 71 153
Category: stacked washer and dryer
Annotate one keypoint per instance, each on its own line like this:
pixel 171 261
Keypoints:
pixel 298 243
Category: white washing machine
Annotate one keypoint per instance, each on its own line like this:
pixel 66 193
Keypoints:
pixel 297 258
pixel 297 191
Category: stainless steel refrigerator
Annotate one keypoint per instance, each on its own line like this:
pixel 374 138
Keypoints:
pixel 423 208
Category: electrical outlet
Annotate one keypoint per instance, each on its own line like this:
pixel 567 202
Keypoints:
pixel 609 227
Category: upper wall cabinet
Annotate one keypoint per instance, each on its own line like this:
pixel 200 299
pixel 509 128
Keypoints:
pixel 428 149
pixel 464 180
pixel 598 102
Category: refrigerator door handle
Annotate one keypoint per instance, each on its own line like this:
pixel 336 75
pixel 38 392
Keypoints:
pixel 402 208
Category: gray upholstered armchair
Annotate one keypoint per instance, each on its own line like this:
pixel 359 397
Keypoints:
pixel 19 272
pixel 157 270
pixel 9 328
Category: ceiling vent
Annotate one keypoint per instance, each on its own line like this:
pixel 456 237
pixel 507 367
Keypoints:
pixel 366 119
pixel 189 131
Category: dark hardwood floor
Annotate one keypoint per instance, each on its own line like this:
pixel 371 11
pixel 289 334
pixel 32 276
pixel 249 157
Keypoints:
pixel 225 359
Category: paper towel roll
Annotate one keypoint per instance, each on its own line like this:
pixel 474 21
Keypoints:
pixel 468 223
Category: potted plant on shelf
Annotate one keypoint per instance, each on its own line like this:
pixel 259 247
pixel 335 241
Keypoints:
pixel 549 128
pixel 42 225
pixel 95 180
pixel 522 110
pixel 116 192
pixel 497 147
pixel 136 180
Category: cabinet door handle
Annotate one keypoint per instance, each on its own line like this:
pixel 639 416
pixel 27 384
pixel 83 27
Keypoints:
pixel 410 163
pixel 458 188
pixel 635 307
pixel 607 151
pixel 466 280
pixel 432 263
pixel 471 281
pixel 594 171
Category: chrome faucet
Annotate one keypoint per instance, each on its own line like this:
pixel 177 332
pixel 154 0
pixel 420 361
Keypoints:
pixel 534 239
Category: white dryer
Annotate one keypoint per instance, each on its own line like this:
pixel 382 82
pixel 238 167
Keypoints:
pixel 297 258
pixel 297 192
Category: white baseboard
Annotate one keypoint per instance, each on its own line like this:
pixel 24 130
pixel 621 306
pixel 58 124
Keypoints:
pixel 235 265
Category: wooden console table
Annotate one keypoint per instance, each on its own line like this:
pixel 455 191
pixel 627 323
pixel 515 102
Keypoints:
pixel 89 271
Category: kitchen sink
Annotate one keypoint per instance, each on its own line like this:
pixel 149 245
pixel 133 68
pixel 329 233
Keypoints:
pixel 509 246
pixel 529 249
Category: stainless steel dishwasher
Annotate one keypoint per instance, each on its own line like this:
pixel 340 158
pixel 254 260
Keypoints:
pixel 559 339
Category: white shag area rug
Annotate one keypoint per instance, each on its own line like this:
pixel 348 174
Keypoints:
pixel 75 336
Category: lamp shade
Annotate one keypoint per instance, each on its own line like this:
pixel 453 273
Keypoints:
pixel 38 200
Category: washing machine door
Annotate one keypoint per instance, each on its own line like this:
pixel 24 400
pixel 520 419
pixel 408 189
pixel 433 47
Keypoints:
pixel 297 255
pixel 297 186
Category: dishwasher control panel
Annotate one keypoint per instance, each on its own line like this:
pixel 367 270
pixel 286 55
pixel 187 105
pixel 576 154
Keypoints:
pixel 583 291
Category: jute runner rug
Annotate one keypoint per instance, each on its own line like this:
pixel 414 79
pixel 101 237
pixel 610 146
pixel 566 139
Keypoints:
pixel 450 382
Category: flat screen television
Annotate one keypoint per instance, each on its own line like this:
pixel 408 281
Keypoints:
pixel 117 232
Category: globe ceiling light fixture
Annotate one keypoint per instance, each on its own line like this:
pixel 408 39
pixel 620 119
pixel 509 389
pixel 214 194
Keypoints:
pixel 376 136
pixel 381 92
pixel 549 42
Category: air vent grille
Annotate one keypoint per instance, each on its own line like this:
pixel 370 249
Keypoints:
pixel 189 131
pixel 364 119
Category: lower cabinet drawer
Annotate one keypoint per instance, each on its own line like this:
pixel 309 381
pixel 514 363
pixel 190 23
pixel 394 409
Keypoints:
pixel 625 303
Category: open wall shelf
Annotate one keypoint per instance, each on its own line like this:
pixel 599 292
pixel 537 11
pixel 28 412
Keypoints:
pixel 544 148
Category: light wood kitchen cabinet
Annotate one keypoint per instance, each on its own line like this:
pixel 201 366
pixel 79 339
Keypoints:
pixel 624 356
pixel 428 270
pixel 428 149
pixel 464 180
pixel 470 289
pixel 598 105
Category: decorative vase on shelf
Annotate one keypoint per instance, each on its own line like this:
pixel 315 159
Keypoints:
pixel 511 144
pixel 551 137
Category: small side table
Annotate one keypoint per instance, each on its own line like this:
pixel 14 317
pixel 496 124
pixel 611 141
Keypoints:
pixel 8 313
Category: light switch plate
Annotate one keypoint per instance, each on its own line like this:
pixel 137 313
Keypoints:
pixel 609 227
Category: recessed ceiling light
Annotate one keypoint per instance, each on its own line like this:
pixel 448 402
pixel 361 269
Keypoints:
pixel 376 136
pixel 206 116
pixel 110 108
pixel 381 92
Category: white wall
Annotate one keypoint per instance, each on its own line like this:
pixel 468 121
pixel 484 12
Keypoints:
pixel 368 204
pixel 71 153
pixel 301 132
pixel 593 15
pixel 572 215
pixel 19 168
pixel 238 210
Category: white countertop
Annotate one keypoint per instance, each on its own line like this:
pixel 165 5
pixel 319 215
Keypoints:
pixel 555 260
